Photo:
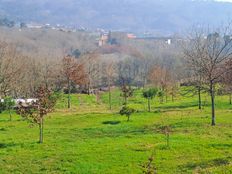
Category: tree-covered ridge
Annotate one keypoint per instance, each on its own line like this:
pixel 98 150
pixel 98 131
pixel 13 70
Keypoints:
pixel 160 16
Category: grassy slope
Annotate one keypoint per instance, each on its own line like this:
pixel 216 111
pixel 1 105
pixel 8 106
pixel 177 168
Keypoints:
pixel 90 139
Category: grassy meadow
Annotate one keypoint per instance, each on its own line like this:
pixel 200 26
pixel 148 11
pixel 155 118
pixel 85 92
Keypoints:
pixel 91 139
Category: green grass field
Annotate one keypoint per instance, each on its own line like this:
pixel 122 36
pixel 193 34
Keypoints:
pixel 90 139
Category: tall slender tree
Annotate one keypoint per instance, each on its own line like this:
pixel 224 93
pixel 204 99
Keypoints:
pixel 73 72
pixel 207 53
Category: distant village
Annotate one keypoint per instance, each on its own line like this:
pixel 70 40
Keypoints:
pixel 104 37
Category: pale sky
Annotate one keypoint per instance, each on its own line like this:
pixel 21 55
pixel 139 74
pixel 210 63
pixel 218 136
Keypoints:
pixel 224 0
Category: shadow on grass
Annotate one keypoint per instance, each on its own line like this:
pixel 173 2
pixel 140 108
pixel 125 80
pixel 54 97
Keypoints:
pixel 182 106
pixel 208 164
pixel 221 146
pixel 110 132
pixel 2 129
pixel 111 122
pixel 5 145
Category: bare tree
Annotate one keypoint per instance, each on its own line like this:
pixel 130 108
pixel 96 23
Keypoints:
pixel 195 87
pixel 207 54
pixel 227 82
pixel 36 112
pixel 160 77
pixel 110 73
pixel 11 67
pixel 73 72
pixel 92 69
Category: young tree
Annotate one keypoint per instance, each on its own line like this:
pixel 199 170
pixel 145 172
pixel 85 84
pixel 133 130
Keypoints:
pixel 166 130
pixel 127 111
pixel 173 91
pixel 207 57
pixel 73 72
pixel 193 87
pixel 110 71
pixel 36 112
pixel 149 95
pixel 9 103
pixel 92 70
pixel 127 92
pixel 227 83
pixel 149 167
pixel 161 95
pixel 162 78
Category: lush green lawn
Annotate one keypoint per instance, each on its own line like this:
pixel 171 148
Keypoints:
pixel 91 139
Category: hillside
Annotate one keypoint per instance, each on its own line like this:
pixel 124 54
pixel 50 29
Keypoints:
pixel 160 16
pixel 90 139
pixel 47 42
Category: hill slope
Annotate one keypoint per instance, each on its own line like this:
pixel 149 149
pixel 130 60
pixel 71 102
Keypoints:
pixel 161 16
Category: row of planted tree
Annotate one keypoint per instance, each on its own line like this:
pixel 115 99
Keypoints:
pixel 46 99
pixel 206 62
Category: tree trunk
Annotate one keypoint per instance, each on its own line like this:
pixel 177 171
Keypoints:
pixel 212 103
pixel 149 104
pixel 10 114
pixel 125 100
pixel 41 131
pixel 89 87
pixel 69 94
pixel 167 138
pixel 166 96
pixel 230 99
pixel 110 101
pixel 97 93
pixel 128 118
pixel 144 82
pixel 199 98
